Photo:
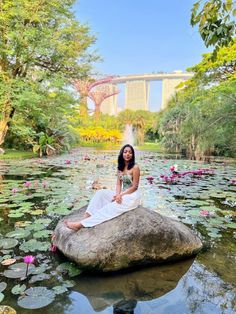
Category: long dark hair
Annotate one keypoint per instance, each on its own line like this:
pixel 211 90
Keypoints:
pixel 121 162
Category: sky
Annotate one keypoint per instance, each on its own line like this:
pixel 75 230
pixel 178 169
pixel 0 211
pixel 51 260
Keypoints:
pixel 142 36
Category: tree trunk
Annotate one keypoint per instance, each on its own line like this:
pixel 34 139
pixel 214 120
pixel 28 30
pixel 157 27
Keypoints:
pixel 97 112
pixel 83 108
pixel 3 129
pixel 4 123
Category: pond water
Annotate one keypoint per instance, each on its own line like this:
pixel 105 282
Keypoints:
pixel 36 193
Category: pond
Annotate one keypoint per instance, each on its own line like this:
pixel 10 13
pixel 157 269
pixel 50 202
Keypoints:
pixel 36 193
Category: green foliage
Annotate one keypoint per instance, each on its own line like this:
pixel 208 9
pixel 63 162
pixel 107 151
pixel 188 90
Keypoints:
pixel 200 119
pixel 215 20
pixel 203 124
pixel 210 71
pixel 142 122
pixel 88 129
pixel 42 47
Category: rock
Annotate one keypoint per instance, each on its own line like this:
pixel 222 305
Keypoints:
pixel 136 238
pixel 146 284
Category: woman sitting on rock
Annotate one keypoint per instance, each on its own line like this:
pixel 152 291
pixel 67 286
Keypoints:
pixel 107 204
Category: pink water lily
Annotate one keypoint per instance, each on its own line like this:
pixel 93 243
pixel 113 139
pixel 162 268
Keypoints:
pixel 150 179
pixel 14 190
pixel 53 248
pixel 44 184
pixel 28 259
pixel 86 157
pixel 233 180
pixel 68 162
pixel 27 184
pixel 204 212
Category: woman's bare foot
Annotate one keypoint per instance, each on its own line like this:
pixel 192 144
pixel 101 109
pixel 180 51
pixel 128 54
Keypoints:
pixel 73 225
pixel 86 215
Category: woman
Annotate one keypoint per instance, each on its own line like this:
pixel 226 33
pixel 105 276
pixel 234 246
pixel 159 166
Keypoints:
pixel 107 204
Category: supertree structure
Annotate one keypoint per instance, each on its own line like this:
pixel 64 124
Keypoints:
pixel 101 93
pixel 84 86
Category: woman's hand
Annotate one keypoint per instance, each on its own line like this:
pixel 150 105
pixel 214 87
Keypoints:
pixel 117 198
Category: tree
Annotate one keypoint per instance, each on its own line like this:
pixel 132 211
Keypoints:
pixel 42 47
pixel 215 20
pixel 102 92
pixel 202 123
pixel 219 69
pixel 84 86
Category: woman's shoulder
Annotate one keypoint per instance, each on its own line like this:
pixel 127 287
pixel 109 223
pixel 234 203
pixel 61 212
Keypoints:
pixel 136 167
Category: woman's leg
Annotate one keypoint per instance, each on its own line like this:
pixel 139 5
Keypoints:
pixel 109 211
pixel 99 200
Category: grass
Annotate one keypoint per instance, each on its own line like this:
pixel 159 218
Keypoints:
pixel 146 146
pixel 15 154
pixel 151 146
pixel 102 145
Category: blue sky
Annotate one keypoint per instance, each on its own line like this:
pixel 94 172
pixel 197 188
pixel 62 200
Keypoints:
pixel 142 36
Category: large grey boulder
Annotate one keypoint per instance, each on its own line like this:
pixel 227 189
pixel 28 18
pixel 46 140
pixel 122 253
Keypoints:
pixel 103 290
pixel 138 237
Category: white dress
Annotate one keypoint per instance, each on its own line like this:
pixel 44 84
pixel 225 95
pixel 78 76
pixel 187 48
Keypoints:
pixel 101 208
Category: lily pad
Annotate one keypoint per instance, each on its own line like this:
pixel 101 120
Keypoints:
pixel 44 221
pixel 42 234
pixel 69 268
pixel 58 209
pixel 8 261
pixel 18 270
pixel 8 243
pixel 36 227
pixel 68 283
pixel 3 286
pixel 231 225
pixel 41 269
pixel 59 289
pixel 18 233
pixel 18 289
pixel 36 298
pixel 5 309
pixel 36 212
pixel 39 277
pixel 193 212
pixel 34 245
pixel 198 202
pixel 15 214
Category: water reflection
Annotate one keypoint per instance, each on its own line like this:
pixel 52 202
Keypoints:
pixel 142 285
